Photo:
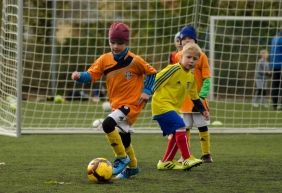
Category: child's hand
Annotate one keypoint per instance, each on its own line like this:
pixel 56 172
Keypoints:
pixel 75 75
pixel 143 99
pixel 206 115
pixel 204 102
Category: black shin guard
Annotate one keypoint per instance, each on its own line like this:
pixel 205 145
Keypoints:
pixel 203 129
pixel 109 125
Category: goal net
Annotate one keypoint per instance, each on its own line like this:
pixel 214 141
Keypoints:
pixel 236 45
pixel 43 42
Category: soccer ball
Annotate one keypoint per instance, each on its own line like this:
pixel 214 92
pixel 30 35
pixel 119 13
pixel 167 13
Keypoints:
pixel 97 124
pixel 99 170
pixel 12 102
pixel 106 106
pixel 217 123
pixel 59 99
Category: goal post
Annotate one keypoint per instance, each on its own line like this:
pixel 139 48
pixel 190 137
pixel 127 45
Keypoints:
pixel 11 69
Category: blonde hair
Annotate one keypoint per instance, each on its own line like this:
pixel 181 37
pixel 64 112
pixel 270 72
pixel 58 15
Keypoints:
pixel 192 47
pixel 263 51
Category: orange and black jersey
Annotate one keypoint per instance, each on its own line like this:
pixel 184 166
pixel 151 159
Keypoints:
pixel 124 78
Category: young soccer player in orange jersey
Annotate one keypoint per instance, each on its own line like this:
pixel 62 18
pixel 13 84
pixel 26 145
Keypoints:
pixel 191 115
pixel 127 92
pixel 176 82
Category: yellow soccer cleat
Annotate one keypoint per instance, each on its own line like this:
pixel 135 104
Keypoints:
pixel 178 166
pixel 190 163
pixel 167 165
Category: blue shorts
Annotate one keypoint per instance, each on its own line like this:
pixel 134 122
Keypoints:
pixel 169 122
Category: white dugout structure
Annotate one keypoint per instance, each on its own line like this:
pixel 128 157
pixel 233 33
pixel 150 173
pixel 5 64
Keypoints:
pixel 42 42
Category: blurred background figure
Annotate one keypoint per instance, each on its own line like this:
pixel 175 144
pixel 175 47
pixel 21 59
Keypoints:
pixel 172 58
pixel 276 67
pixel 261 76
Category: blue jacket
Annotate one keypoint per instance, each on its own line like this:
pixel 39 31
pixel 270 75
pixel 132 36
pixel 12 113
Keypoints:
pixel 276 52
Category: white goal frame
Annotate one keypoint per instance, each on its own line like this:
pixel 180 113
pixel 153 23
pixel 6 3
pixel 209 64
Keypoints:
pixel 16 131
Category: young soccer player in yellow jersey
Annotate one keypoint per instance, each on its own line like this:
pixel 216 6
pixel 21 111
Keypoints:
pixel 171 86
pixel 191 115
pixel 127 92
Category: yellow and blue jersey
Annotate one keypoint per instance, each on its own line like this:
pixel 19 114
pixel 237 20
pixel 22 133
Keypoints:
pixel 172 85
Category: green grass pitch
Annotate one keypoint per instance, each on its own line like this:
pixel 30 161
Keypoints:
pixel 57 163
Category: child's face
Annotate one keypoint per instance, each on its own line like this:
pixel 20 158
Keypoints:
pixel 187 40
pixel 264 55
pixel 117 46
pixel 177 44
pixel 189 59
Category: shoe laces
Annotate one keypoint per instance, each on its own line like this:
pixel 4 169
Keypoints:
pixel 116 162
pixel 186 162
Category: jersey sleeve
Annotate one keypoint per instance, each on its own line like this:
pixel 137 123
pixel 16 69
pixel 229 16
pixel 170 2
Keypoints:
pixel 206 74
pixel 148 83
pixel 205 88
pixel 96 69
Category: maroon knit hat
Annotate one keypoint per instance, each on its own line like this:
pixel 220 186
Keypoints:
pixel 119 31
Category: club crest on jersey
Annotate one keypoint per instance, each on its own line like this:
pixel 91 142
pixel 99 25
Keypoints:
pixel 128 75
